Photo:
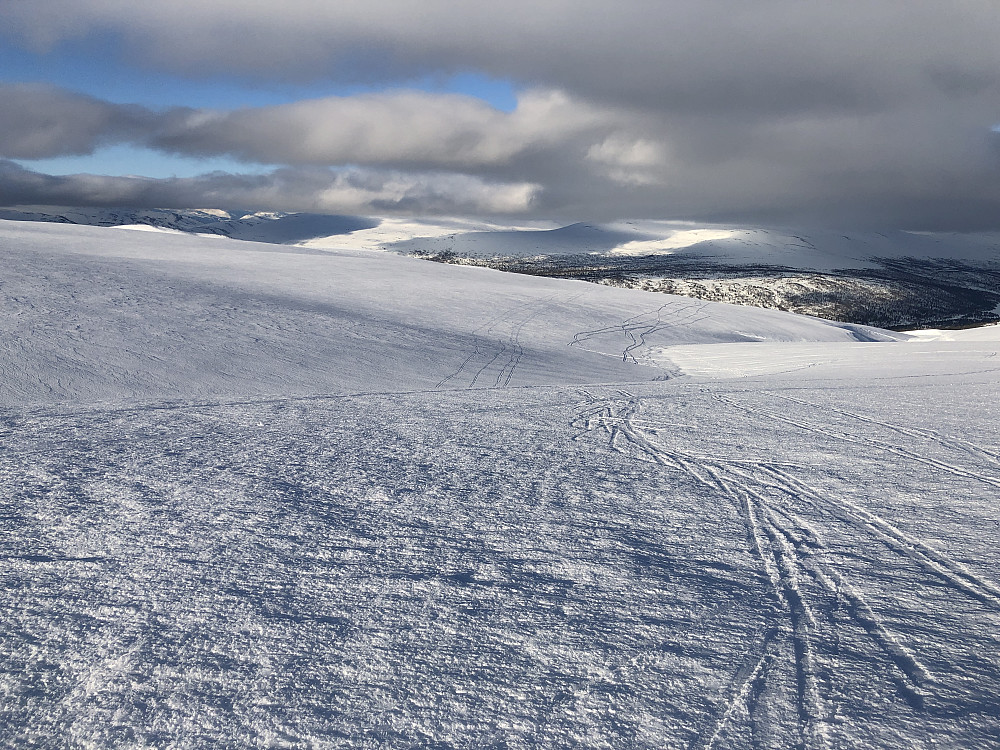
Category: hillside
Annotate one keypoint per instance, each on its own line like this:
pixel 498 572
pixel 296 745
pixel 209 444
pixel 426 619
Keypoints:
pixel 270 496
pixel 901 280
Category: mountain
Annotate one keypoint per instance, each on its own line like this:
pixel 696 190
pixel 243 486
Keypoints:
pixel 897 279
pixel 162 315
pixel 278 228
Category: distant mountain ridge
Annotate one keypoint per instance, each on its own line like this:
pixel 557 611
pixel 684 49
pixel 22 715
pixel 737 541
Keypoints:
pixel 812 250
pixel 892 279
pixel 278 228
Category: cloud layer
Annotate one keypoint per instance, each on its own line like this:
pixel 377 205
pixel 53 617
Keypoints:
pixel 402 128
pixel 287 189
pixel 769 55
pixel 41 121
pixel 877 112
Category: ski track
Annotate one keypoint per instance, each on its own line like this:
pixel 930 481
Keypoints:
pixel 864 440
pixel 514 319
pixel 948 441
pixel 949 570
pixel 776 556
pixel 745 689
pixel 791 552
pixel 638 327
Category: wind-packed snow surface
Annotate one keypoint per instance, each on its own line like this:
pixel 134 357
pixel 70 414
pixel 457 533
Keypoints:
pixel 256 497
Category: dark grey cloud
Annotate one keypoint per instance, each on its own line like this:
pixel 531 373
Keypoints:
pixel 559 158
pixel 318 190
pixel 860 112
pixel 39 121
pixel 711 55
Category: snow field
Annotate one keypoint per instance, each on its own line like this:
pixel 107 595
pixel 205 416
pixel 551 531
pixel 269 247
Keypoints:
pixel 273 499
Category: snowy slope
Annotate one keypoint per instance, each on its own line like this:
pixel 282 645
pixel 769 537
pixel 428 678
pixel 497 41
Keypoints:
pixel 259 497
pixel 279 228
pixel 887 279
pixel 106 314
pixel 791 247
pixel 802 249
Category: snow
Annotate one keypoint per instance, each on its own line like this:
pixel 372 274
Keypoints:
pixel 148 228
pixel 267 496
pixel 833 360
pixel 981 333
pixel 799 248
pixel 575 239
pixel 674 241
pixel 260 226
pixel 185 316
pixel 391 230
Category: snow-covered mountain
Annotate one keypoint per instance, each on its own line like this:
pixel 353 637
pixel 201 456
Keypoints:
pixel 895 279
pixel 267 496
pixel 280 228
pixel 808 250
pixel 162 316
pixel 803 249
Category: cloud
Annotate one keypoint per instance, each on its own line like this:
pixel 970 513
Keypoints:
pixel 42 121
pixel 707 55
pixel 400 128
pixel 629 160
pixel 860 112
pixel 553 157
pixel 354 191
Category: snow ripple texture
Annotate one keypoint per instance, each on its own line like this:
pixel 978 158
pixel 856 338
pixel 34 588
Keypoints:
pixel 494 559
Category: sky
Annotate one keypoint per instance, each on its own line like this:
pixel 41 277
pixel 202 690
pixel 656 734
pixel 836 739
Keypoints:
pixel 874 113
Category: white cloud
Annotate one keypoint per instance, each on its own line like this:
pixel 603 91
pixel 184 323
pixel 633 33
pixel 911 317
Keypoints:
pixel 630 160
pixel 408 127
pixel 440 193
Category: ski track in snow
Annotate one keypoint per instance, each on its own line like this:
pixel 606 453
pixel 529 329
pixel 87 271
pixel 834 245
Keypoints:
pixel 638 328
pixel 817 599
pixel 947 441
pixel 790 551
pixel 505 330
pixel 864 440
